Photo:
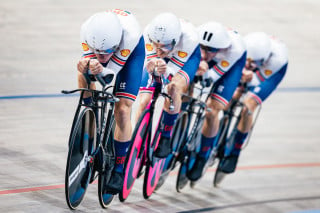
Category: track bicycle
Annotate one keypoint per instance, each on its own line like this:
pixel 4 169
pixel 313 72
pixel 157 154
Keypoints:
pixel 145 140
pixel 91 148
pixel 187 130
pixel 228 126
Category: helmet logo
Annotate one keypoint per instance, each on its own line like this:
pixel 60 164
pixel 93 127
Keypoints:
pixel 149 47
pixel 160 28
pixel 182 54
pixel 159 32
pixel 85 47
pixel 125 52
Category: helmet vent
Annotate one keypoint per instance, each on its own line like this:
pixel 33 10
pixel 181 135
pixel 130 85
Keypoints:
pixel 209 37
pixel 205 36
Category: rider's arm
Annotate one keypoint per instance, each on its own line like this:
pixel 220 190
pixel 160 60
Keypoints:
pixel 151 59
pixel 256 78
pixel 181 55
pixel 225 61
pixel 268 70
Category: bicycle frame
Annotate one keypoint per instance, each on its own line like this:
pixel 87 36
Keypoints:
pixel 194 115
pixel 226 138
pixel 234 111
pixel 144 142
pixel 102 131
pixel 196 112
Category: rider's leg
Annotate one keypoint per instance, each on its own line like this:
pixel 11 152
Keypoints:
pixel 219 98
pixel 233 148
pixel 176 87
pixel 144 99
pixel 210 126
pixel 221 95
pixel 244 124
pixel 127 87
pixel 255 98
pixel 145 94
pixel 123 131
pixel 209 132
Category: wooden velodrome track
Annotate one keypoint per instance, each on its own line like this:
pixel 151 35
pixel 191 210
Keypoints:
pixel 278 172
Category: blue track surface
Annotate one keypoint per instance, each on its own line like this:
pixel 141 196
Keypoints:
pixel 283 89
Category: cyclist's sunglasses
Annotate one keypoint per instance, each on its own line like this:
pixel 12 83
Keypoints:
pixel 164 47
pixel 104 52
pixel 209 49
pixel 253 63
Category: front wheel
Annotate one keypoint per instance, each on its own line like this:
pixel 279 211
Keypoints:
pixel 135 155
pixel 154 168
pixel 107 160
pixel 82 144
pixel 178 141
pixel 152 176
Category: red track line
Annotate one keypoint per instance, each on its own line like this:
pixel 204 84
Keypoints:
pixel 293 165
pixel 14 191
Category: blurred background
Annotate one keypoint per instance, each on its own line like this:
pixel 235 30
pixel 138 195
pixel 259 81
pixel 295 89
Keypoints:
pixel 41 44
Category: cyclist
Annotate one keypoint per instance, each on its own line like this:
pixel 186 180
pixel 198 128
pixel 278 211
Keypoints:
pixel 172 47
pixel 223 56
pixel 112 45
pixel 266 65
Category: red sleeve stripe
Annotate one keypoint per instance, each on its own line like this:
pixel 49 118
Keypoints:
pixel 178 63
pixel 151 56
pixel 89 56
pixel 117 60
pixel 218 70
pixel 260 76
pixel 220 99
pixel 145 91
pixel 185 75
pixel 126 95
pixel 255 97
pixel 149 90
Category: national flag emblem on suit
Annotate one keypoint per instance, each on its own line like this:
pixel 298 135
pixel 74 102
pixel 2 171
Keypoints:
pixel 182 54
pixel 125 52
pixel 85 47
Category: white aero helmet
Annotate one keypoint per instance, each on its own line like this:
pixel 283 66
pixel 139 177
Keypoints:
pixel 214 35
pixel 165 29
pixel 103 32
pixel 258 46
